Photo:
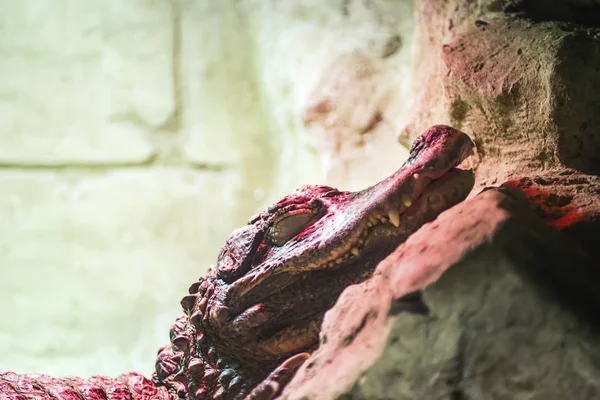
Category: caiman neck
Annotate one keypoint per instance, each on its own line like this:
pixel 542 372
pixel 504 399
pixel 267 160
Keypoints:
pixel 195 365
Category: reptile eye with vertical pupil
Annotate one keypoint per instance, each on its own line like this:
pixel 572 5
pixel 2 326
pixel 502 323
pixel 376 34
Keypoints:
pixel 289 225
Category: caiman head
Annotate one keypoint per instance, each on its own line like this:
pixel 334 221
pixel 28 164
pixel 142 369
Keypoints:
pixel 275 277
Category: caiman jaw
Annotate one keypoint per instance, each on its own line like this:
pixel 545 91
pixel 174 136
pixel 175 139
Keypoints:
pixel 278 275
pixel 400 218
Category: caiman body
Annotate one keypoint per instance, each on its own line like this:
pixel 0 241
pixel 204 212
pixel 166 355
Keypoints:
pixel 252 320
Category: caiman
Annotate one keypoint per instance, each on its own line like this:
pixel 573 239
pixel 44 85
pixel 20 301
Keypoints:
pixel 250 323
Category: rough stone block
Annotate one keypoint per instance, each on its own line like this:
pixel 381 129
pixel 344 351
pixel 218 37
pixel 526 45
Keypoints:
pixel 83 82
pixel 511 314
pixel 519 76
pixel 225 124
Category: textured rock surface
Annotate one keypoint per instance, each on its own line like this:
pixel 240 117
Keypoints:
pixel 520 76
pixel 568 201
pixel 512 314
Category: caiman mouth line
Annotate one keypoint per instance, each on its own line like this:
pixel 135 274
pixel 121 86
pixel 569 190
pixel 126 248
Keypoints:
pixel 439 193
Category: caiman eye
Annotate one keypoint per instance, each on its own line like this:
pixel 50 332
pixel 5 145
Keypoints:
pixel 289 225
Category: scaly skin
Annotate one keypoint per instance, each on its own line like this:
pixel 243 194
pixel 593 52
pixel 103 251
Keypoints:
pixel 250 323
pixel 132 386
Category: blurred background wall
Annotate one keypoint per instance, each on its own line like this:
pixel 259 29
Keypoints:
pixel 135 135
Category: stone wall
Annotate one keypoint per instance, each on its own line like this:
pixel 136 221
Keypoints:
pixel 134 136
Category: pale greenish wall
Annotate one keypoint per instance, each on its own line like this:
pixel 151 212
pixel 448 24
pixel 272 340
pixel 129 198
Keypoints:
pixel 135 135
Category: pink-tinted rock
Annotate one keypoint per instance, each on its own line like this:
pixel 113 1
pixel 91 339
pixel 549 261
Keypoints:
pixel 510 300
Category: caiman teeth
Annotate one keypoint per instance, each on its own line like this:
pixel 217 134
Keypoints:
pixel 390 215
pixel 406 200
pixel 394 217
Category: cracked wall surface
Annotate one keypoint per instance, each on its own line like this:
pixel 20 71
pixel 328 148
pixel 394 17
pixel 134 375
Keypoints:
pixel 135 136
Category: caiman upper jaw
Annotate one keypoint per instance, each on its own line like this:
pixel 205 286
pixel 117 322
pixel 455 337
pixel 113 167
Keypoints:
pixel 339 239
